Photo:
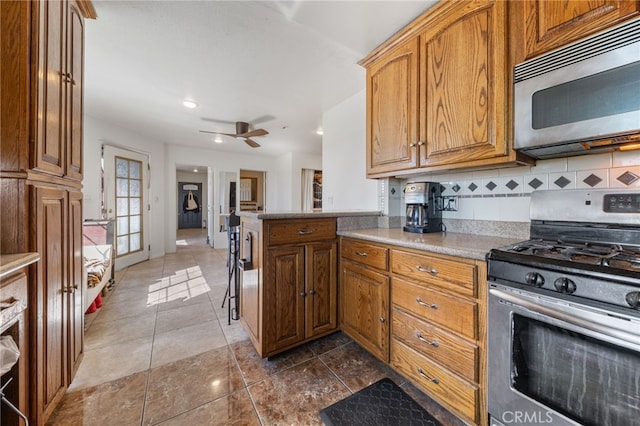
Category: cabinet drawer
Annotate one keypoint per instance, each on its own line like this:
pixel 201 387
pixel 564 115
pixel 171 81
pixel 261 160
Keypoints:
pixel 456 276
pixel 368 254
pixel 300 231
pixel 446 348
pixel 438 382
pixel 460 316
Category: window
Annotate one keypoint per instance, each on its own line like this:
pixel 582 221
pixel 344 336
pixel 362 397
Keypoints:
pixel 128 206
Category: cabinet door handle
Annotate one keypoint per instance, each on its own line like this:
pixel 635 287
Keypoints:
pixel 432 271
pixel 433 343
pixel 304 232
pixel 303 294
pixel 434 380
pixel 69 290
pixel 420 143
pixel 382 320
pixel 362 253
pixel 311 292
pixel 428 305
pixel 412 145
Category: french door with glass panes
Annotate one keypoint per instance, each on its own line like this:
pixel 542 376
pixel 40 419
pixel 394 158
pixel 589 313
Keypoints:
pixel 126 202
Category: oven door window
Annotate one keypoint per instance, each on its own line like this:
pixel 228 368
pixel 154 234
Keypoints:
pixel 588 380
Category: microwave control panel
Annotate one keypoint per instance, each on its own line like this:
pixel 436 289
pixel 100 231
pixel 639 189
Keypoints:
pixel 622 203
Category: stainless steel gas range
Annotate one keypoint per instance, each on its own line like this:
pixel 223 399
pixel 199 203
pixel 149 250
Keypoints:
pixel 564 313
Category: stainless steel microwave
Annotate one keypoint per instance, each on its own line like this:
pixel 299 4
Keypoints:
pixel 580 99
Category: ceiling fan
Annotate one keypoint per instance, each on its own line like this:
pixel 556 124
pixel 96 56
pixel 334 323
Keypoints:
pixel 242 131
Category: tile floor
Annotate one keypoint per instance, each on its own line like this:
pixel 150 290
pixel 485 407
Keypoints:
pixel 160 351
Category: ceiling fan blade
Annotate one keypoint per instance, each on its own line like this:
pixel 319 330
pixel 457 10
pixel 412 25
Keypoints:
pixel 252 143
pixel 262 119
pixel 257 132
pixel 206 131
pixel 233 135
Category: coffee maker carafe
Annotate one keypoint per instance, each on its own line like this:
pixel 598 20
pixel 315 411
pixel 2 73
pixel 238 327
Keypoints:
pixel 420 199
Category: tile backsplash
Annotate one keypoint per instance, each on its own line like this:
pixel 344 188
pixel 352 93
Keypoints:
pixel 504 194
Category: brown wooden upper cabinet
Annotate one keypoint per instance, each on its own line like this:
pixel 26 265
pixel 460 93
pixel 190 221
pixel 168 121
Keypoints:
pixel 545 25
pixel 437 92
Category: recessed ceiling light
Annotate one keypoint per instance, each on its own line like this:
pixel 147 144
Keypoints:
pixel 189 103
pixel 320 132
pixel 195 170
pixel 218 139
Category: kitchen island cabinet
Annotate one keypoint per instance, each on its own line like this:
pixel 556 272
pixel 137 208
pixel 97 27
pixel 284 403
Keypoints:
pixel 437 93
pixel 288 290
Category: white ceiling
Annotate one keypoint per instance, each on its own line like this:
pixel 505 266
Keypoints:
pixel 276 64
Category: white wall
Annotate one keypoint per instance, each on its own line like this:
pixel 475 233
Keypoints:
pixel 344 185
pixel 97 133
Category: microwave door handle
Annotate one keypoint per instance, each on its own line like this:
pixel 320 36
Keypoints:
pixel 631 339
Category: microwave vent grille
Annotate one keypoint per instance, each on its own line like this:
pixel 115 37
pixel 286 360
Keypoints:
pixel 600 43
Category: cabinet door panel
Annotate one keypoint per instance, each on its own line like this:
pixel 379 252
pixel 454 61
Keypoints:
pixel 50 152
pixel 364 308
pixel 550 24
pixel 50 303
pixel 462 97
pixel 392 110
pixel 284 298
pixel 75 60
pixel 321 288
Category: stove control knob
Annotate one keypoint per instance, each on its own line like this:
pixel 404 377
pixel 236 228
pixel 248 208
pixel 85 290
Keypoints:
pixel 534 279
pixel 565 285
pixel 633 299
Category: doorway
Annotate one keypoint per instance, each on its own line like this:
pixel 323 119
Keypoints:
pixel 251 190
pixel 190 212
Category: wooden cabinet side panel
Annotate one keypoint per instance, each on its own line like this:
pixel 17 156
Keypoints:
pixel 251 286
pixel 14 207
pixel 14 85
pixel 47 302
pixel 321 288
pixel 364 308
pixel 284 297
pixel 75 316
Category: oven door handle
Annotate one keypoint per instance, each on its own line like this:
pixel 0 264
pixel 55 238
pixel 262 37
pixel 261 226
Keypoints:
pixel 630 338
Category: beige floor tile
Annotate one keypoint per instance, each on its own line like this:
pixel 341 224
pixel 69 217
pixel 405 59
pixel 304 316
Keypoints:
pixel 113 362
pixel 118 331
pixel 185 342
pixel 184 316
pixel 115 308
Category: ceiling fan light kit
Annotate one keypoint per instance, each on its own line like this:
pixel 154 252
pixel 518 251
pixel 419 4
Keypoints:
pixel 242 132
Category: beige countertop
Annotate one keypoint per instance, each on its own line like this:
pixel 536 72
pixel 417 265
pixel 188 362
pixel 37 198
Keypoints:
pixel 305 214
pixel 463 245
pixel 12 262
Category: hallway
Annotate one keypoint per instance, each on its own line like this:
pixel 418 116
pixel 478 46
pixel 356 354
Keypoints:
pixel 160 351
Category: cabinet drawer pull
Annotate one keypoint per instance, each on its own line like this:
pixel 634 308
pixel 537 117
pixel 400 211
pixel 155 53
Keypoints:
pixel 428 305
pixel 362 253
pixel 434 380
pixel 430 271
pixel 434 343
pixel 304 232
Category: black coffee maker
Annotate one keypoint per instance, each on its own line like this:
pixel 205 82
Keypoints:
pixel 421 200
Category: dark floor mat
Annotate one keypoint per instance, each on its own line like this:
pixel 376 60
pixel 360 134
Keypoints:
pixel 381 404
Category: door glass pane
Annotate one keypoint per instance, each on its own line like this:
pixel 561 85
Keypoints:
pixel 134 188
pixel 122 167
pixel 123 225
pixel 135 223
pixel 128 206
pixel 123 206
pixel 121 187
pixel 135 242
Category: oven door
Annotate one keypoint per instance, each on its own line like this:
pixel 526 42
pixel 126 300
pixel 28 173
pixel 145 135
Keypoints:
pixel 560 363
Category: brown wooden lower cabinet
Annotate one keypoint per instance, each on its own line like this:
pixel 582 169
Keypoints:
pixel 289 289
pixel 422 313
